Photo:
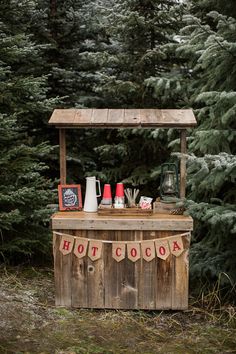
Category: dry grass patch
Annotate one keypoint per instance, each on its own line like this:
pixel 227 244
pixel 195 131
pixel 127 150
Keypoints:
pixel 30 323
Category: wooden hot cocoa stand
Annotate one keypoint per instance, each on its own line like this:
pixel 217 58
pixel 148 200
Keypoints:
pixel 159 283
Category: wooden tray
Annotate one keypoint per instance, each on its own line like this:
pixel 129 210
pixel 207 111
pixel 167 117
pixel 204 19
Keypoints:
pixel 124 211
pixel 160 207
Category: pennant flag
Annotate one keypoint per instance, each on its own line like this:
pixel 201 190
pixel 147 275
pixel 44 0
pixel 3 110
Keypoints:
pixel 133 250
pixel 162 248
pixel 148 250
pixel 66 244
pixel 118 250
pixel 95 250
pixel 176 246
pixel 80 248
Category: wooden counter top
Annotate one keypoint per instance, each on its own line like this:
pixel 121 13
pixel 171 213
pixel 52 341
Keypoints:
pixel 80 220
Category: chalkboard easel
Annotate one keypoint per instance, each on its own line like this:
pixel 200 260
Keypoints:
pixel 69 197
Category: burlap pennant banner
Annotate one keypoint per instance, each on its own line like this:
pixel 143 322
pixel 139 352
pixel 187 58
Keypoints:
pixel 176 246
pixel 118 250
pixel 162 249
pixel 133 251
pixel 66 244
pixel 80 249
pixel 95 250
pixel 147 249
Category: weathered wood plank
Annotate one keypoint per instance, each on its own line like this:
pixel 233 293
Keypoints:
pixel 129 291
pixel 96 222
pixel 83 117
pixel 178 118
pixel 95 276
pixel 147 279
pixel 115 117
pixel 167 118
pixel 124 211
pixel 62 274
pixel 183 145
pixel 62 140
pixel 99 117
pixel 111 274
pixel 151 117
pixel 163 280
pixel 131 117
pixel 79 284
pixel 180 278
pixel 66 116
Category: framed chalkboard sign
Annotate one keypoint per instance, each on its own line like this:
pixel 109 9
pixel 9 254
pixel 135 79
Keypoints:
pixel 69 197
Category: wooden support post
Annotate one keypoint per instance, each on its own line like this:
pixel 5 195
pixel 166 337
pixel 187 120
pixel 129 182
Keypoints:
pixel 183 147
pixel 62 142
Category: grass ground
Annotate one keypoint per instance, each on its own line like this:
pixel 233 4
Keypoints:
pixel 30 323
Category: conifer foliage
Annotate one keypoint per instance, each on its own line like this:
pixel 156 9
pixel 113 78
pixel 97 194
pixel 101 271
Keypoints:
pixel 24 191
pixel 212 168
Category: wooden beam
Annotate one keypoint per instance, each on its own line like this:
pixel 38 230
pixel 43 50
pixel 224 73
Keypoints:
pixel 62 142
pixel 92 221
pixel 183 149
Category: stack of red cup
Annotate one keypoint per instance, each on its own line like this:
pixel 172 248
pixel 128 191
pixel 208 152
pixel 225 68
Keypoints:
pixel 106 198
pixel 120 196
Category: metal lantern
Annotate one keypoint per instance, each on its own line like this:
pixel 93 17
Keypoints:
pixel 169 186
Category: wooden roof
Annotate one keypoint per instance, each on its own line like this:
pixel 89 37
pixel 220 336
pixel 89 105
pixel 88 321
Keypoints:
pixel 123 118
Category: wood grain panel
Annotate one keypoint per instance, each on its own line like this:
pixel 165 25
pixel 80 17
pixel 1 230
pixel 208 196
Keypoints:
pixel 183 172
pixel 115 117
pixel 151 117
pixel 75 221
pixel 180 278
pixel 113 274
pixel 62 275
pixel 147 279
pixel 120 118
pixel 65 116
pixel 178 118
pixel 105 283
pixel 79 284
pixel 99 117
pixel 62 140
pixel 95 276
pixel 83 117
pixel 132 117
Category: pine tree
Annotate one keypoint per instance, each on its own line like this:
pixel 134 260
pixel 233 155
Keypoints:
pixel 135 32
pixel 213 170
pixel 24 190
pixel 205 77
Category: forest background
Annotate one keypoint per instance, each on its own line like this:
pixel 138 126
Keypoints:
pixel 118 54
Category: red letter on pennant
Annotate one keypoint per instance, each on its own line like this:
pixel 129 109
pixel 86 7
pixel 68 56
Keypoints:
pixel 95 250
pixel 66 244
pixel 162 248
pixel 162 251
pixel 118 250
pixel 133 249
pixel 81 245
pixel 176 245
pixel 148 250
